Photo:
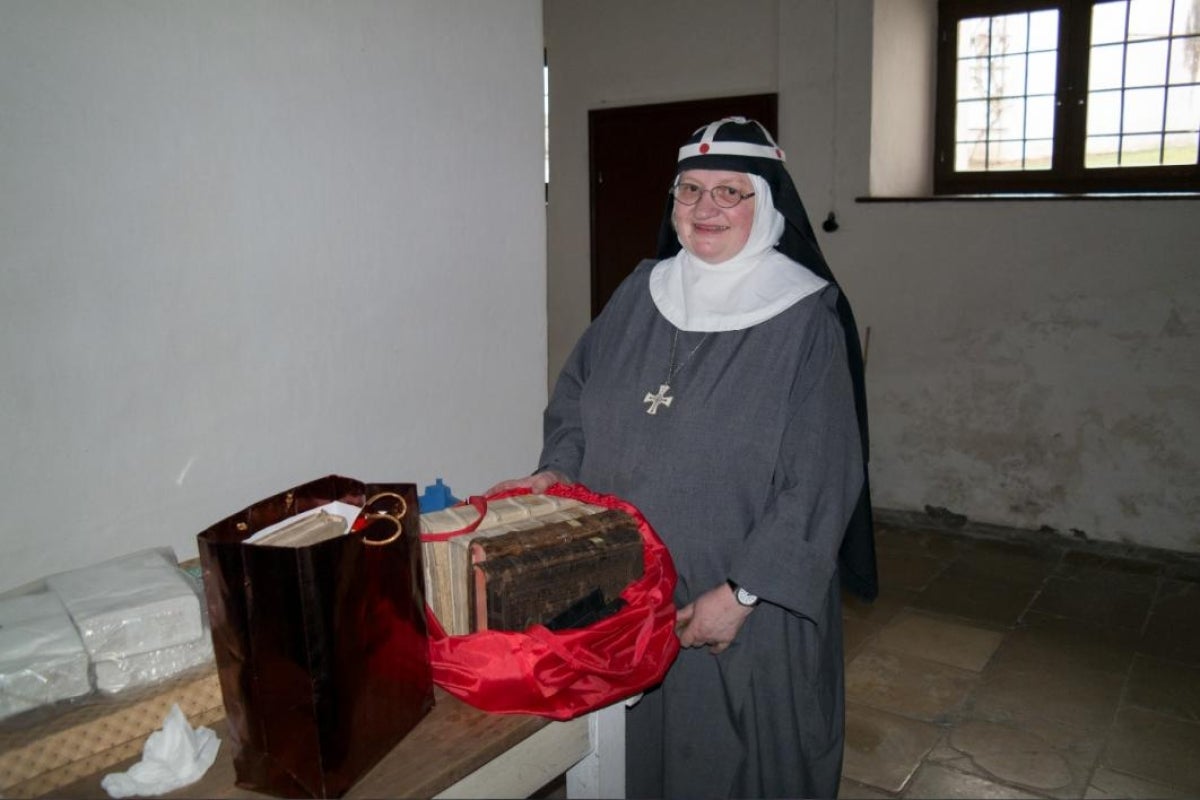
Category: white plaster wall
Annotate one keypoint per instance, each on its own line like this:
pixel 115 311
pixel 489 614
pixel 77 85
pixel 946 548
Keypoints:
pixel 247 244
pixel 903 85
pixel 1030 363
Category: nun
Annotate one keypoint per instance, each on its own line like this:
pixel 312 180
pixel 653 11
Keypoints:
pixel 721 392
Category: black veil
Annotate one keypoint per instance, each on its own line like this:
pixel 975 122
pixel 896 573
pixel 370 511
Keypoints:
pixel 737 144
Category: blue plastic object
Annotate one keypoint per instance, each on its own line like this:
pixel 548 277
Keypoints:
pixel 436 497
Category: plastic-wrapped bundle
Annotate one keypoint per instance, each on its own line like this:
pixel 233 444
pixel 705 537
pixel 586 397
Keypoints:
pixel 139 616
pixel 42 659
pixel 142 669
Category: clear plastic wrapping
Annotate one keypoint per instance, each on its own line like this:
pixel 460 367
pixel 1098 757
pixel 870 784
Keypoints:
pixel 142 669
pixel 134 604
pixel 42 659
pixel 101 630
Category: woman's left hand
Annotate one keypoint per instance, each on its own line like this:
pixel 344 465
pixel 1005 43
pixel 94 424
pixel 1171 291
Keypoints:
pixel 537 483
pixel 712 620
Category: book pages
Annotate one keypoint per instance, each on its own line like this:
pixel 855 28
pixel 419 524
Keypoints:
pixel 448 569
pixel 305 531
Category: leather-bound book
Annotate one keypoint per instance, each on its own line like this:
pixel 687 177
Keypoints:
pixel 542 575
pixel 448 571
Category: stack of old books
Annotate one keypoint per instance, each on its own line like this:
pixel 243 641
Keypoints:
pixel 533 559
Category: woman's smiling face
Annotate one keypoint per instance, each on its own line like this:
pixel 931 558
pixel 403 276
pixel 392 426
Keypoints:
pixel 709 232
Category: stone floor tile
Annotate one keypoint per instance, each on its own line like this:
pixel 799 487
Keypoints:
pixel 1059 644
pixel 934 780
pixel 907 685
pixel 1084 699
pixel 1171 639
pixel 1076 562
pixel 1155 747
pixel 1041 711
pixel 1173 630
pixel 996 602
pixel 1109 785
pixel 890 602
pixel 1046 550
pixel 1043 742
pixel 959 645
pixel 906 570
pixel 884 750
pixel 1097 600
pixel 1185 569
pixel 1015 562
pixel 1014 755
pixel 1178 601
pixel 944 754
pixel 855 634
pixel 852 790
pixel 1167 687
pixel 935 544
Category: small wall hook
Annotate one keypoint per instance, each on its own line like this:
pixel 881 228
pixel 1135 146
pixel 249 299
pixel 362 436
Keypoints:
pixel 830 224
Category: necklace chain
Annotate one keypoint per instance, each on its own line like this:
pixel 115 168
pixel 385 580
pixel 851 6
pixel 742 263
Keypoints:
pixel 672 368
pixel 661 399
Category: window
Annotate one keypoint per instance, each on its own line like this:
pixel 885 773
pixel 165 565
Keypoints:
pixel 1068 96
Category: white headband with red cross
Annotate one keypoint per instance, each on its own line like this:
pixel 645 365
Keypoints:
pixel 708 147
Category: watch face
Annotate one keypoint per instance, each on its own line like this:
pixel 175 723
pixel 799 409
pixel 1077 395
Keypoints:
pixel 745 598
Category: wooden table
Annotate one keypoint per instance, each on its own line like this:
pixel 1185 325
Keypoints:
pixel 458 751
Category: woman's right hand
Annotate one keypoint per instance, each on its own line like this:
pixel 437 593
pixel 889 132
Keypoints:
pixel 536 483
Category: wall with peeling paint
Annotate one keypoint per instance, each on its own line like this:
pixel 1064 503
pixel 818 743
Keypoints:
pixel 1031 363
pixel 1041 367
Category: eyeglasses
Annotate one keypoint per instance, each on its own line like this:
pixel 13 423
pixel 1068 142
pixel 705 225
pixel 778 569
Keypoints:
pixel 724 196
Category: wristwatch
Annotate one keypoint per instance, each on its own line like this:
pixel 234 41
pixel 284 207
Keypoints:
pixel 745 598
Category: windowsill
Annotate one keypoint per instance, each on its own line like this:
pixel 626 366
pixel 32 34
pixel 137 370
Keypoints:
pixel 1038 196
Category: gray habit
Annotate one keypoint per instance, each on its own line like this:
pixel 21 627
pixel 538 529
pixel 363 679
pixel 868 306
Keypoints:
pixel 750 474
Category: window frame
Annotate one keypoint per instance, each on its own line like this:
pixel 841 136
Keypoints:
pixel 1068 175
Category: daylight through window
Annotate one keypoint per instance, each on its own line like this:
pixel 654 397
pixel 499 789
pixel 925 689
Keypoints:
pixel 1005 93
pixel 1073 95
pixel 1143 94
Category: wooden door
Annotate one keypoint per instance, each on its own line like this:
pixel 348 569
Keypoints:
pixel 631 154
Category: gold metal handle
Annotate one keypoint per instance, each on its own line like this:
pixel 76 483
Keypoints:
pixel 396 518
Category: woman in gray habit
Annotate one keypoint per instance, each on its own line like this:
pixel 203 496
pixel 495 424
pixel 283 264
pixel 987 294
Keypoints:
pixel 720 392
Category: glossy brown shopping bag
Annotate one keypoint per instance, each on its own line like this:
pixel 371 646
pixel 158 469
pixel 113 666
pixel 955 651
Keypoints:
pixel 321 648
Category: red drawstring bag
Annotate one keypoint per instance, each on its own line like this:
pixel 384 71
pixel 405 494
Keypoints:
pixel 562 674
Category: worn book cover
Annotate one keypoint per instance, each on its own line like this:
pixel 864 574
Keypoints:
pixel 448 572
pixel 537 576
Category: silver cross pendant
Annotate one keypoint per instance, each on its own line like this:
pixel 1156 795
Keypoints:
pixel 656 400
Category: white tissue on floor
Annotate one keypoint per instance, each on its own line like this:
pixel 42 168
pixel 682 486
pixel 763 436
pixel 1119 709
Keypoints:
pixel 174 756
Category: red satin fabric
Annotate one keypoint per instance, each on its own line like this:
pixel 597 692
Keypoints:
pixel 563 674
